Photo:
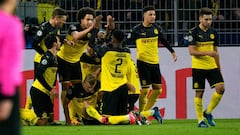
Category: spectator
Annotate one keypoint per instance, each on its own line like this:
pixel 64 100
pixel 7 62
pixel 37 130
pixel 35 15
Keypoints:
pixel 30 29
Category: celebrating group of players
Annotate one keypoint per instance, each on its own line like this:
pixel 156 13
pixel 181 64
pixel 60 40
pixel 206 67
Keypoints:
pixel 100 82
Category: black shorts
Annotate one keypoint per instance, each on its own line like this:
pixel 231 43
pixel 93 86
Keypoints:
pixel 115 102
pixel 132 99
pixel 199 77
pixel 149 73
pixel 42 103
pixel 69 71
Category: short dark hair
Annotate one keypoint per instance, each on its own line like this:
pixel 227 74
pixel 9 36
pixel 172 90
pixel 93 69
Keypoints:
pixel 205 11
pixel 50 39
pixel 85 10
pixel 59 12
pixel 119 35
pixel 147 8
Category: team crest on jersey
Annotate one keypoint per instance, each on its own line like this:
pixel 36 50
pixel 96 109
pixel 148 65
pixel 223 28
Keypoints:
pixel 195 85
pixel 44 62
pixel 44 115
pixel 212 36
pixel 39 33
pixel 155 31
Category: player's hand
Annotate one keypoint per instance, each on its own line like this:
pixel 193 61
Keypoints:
pixel 5 109
pixel 67 42
pixel 98 21
pixel 54 93
pixel 75 122
pixel 174 56
pixel 131 87
pixel 110 23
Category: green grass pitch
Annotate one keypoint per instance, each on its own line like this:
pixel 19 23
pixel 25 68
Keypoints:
pixel 170 127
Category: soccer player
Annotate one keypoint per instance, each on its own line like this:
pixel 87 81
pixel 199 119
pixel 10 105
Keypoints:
pixel 54 25
pixel 59 17
pixel 12 45
pixel 203 42
pixel 133 78
pixel 90 63
pixel 147 37
pixel 43 87
pixel 133 117
pixel 75 43
pixel 115 61
pixel 78 93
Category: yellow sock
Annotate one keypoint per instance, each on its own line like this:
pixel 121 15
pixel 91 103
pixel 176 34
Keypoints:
pixel 123 119
pixel 91 111
pixel 71 111
pixel 152 99
pixel 28 103
pixel 214 102
pixel 143 98
pixel 198 108
pixel 29 115
pixel 147 113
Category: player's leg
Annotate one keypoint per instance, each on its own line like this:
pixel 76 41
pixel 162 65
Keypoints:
pixel 43 106
pixel 28 116
pixel 156 86
pixel 132 99
pixel 157 90
pixel 145 80
pixel 216 80
pixel 11 126
pixel 28 104
pixel 92 112
pixel 198 86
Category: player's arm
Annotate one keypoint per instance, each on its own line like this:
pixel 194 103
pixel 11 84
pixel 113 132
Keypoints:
pixel 37 39
pixel 216 57
pixel 167 45
pixel 43 65
pixel 99 49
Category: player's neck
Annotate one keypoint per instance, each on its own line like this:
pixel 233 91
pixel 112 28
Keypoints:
pixel 53 51
pixel 51 21
pixel 203 28
pixel 146 24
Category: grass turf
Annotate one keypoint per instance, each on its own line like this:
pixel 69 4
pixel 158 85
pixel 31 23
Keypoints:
pixel 170 127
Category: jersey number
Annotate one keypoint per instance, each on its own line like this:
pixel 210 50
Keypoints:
pixel 119 60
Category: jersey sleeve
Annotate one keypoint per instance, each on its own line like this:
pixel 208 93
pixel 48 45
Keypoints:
pixel 37 39
pixel 192 37
pixel 43 65
pixel 71 29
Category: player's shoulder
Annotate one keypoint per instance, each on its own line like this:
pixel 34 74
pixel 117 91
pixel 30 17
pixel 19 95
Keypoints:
pixel 74 27
pixel 156 25
pixel 126 49
pixel 194 30
pixel 137 27
pixel 212 30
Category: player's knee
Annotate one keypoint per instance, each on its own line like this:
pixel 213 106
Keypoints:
pixel 157 86
pixel 220 88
